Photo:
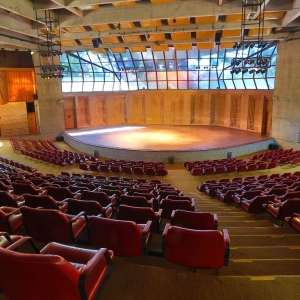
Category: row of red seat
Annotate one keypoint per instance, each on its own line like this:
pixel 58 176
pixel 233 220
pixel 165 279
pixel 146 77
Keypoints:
pixel 278 195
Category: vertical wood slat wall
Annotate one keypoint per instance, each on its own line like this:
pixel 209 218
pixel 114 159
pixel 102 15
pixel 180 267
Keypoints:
pixel 244 110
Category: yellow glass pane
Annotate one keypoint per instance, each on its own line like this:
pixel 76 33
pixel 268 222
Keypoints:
pixel 86 41
pixel 138 49
pixel 68 43
pixel 110 39
pixel 227 45
pixel 151 23
pixel 206 19
pixel 256 31
pixel 231 33
pixel 209 34
pixel 100 27
pixel 75 29
pixel 183 46
pixel 125 3
pixel 160 48
pixel 155 37
pixel 205 46
pixel 132 39
pixel 98 50
pixel 181 35
pixel 234 18
pixel 118 50
pixel 179 21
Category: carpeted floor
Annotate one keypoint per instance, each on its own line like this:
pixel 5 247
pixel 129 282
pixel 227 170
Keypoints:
pixel 264 259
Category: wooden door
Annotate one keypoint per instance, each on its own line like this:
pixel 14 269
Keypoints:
pixel 69 119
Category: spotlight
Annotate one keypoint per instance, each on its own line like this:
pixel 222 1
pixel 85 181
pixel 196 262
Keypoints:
pixel 263 71
pixel 244 71
pixel 232 71
pixel 251 71
pixel 258 71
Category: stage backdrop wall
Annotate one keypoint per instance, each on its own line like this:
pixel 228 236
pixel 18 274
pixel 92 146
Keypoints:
pixel 242 109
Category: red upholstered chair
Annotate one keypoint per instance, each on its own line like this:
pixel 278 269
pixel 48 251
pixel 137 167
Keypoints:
pixel 294 221
pixel 175 197
pixel 90 207
pixel 255 205
pixel 283 209
pixel 140 215
pixel 194 220
pixel 212 189
pixel 22 188
pixel 44 201
pixel 61 193
pixel 10 219
pixel 7 199
pixel 49 225
pixel 247 195
pixel 124 238
pixel 67 273
pixel 161 172
pixel 101 197
pixel 168 205
pixel 227 197
pixel 137 201
pixel 278 191
pixel 196 249
pixel 288 195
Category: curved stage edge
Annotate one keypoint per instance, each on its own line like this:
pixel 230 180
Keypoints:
pixel 213 148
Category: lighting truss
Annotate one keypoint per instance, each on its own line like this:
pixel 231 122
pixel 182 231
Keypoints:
pixel 49 46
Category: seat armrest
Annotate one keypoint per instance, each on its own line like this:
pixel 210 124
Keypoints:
pixel 10 211
pixel 147 227
pixel 216 221
pixel 164 239
pixel 159 212
pixel 22 241
pixel 294 215
pixel 77 195
pixel 108 211
pixel 81 214
pixel 227 246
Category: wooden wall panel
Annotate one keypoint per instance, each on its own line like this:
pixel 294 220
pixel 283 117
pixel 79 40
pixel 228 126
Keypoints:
pixel 222 108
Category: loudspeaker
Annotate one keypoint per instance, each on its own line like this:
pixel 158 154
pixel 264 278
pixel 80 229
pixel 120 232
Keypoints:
pixel 35 96
pixel 95 43
pixel 273 147
pixel 229 155
pixel 60 138
pixel 96 153
pixel 30 107
pixel 218 36
pixel 171 160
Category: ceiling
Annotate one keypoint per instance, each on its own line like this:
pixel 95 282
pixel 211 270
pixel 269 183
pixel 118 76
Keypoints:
pixel 101 25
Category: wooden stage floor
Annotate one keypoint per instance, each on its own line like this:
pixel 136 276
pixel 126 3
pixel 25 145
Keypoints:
pixel 166 137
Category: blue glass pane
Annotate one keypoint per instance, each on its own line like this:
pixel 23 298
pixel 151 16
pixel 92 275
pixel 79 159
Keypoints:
pixel 261 83
pixel 239 84
pixel 229 84
pixel 66 86
pixel 204 85
pixel 162 85
pixel 271 83
pixel 193 85
pixel 172 85
pixel 98 86
pixel 249 83
pixel 152 85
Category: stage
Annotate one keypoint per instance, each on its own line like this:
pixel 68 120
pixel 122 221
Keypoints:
pixel 158 142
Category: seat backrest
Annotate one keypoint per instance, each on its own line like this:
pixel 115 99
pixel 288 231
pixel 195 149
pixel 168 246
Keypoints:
pixel 139 215
pixel 91 207
pixel 124 238
pixel 250 194
pixel 169 205
pixel 45 201
pixel 26 270
pixel 59 193
pixel 7 199
pixel 101 197
pixel 137 201
pixel 46 225
pixel 175 197
pixel 200 249
pixel 193 220
pixel 22 188
pixel 148 196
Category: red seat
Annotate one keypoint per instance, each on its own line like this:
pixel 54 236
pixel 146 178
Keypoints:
pixel 247 195
pixel 10 219
pixel 168 205
pixel 294 221
pixel 137 201
pixel 124 238
pixel 196 249
pixel 255 205
pixel 61 193
pixel 44 201
pixel 101 197
pixel 140 215
pixel 194 220
pixel 283 209
pixel 49 225
pixel 7 199
pixel 90 207
pixel 66 272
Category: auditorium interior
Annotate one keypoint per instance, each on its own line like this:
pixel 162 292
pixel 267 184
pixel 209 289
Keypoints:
pixel 184 95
